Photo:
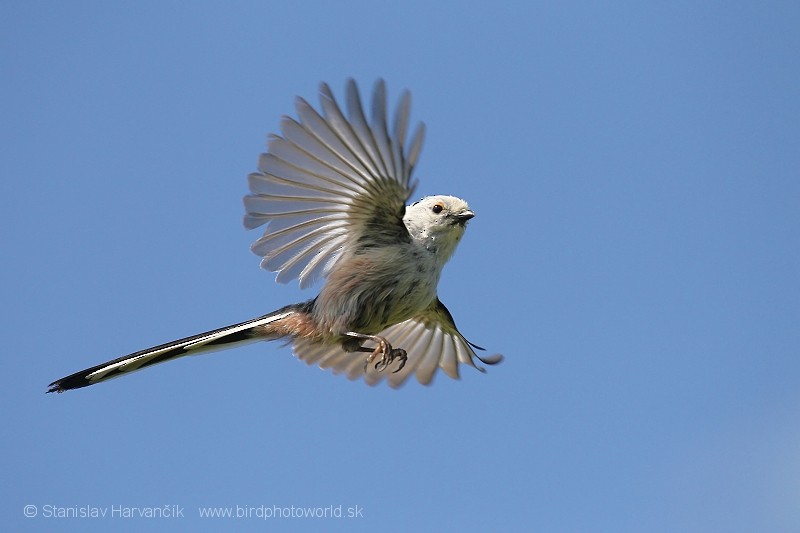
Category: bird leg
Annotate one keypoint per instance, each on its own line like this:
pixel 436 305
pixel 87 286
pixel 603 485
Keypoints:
pixel 383 352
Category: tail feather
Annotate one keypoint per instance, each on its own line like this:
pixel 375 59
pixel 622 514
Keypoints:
pixel 216 339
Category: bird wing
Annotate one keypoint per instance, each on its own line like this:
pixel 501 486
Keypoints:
pixel 431 341
pixel 331 183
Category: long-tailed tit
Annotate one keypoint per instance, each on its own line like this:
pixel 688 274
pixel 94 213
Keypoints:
pixel 331 192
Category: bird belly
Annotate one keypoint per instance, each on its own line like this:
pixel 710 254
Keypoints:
pixel 367 296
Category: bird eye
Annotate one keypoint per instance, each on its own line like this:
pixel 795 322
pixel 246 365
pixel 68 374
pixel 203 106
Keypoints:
pixel 437 208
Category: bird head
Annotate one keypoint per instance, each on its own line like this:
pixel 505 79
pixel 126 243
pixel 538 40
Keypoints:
pixel 438 222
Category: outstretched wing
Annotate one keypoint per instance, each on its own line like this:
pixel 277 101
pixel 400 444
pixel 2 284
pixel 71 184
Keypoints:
pixel 329 180
pixel 431 341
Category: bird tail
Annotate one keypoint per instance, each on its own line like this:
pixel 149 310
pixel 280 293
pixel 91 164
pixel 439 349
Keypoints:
pixel 217 339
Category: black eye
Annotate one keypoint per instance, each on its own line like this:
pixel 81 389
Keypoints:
pixel 437 208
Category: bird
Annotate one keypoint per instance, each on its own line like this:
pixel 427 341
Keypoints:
pixel 331 192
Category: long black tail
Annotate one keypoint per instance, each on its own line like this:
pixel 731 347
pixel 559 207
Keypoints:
pixel 217 339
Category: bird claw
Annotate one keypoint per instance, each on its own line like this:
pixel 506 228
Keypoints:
pixel 399 353
pixel 384 362
pixel 385 355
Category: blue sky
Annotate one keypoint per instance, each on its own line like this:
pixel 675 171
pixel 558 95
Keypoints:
pixel 634 170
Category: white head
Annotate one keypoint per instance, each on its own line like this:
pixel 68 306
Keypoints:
pixel 438 222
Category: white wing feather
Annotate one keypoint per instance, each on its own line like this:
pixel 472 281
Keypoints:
pixel 431 341
pixel 325 178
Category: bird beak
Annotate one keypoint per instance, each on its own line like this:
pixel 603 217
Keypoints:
pixel 463 216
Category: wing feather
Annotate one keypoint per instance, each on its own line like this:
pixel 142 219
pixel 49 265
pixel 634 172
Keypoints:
pixel 430 339
pixel 339 124
pixel 379 130
pixel 355 112
pixel 329 179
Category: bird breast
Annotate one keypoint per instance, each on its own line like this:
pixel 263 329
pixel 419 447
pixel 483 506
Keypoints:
pixel 368 292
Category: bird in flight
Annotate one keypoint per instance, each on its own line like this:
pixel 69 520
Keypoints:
pixel 331 192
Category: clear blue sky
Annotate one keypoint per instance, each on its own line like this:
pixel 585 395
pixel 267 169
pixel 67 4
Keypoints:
pixel 635 173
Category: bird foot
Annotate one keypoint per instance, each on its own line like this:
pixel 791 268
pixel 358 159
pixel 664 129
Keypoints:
pixel 384 355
